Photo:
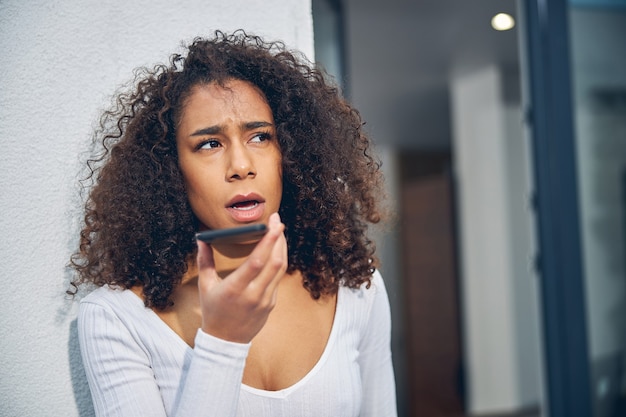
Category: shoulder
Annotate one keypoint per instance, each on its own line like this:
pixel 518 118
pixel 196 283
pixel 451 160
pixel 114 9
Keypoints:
pixel 376 287
pixel 378 284
pixel 366 310
pixel 113 314
pixel 110 297
pixel 377 291
pixel 364 297
pixel 110 304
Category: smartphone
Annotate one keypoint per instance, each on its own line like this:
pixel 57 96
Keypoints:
pixel 232 235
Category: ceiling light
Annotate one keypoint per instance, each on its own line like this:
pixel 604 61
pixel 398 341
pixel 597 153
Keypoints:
pixel 502 21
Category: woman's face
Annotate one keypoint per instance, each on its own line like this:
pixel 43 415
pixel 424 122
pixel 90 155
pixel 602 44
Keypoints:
pixel 229 155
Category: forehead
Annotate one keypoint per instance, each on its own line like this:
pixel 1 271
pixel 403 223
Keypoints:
pixel 233 99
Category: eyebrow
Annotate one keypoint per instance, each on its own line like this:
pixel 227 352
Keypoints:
pixel 213 130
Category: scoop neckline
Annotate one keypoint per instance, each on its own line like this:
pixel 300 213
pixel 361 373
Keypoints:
pixel 259 391
pixel 314 370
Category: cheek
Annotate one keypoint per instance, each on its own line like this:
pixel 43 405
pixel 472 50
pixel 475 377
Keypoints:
pixel 203 204
pixel 279 177
pixel 199 191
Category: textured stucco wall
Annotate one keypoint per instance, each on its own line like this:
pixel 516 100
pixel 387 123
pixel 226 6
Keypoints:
pixel 60 62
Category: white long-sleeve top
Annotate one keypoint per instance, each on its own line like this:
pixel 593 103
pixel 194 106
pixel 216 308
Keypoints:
pixel 136 365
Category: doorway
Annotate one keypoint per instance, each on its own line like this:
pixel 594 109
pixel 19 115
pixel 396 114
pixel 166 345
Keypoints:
pixel 430 278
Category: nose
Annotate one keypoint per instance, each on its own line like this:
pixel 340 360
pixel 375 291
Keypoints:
pixel 240 164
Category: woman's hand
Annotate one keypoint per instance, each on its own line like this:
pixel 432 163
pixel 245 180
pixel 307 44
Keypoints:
pixel 236 308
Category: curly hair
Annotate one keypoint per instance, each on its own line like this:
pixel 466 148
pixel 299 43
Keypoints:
pixel 139 226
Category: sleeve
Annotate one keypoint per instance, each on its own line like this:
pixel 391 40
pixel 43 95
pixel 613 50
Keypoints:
pixel 122 382
pixel 379 388
pixel 118 370
pixel 213 382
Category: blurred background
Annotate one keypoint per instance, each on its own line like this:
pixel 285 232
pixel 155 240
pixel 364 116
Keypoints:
pixel 505 262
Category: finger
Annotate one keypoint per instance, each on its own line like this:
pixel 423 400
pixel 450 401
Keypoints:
pixel 206 264
pixel 276 267
pixel 205 255
pixel 262 253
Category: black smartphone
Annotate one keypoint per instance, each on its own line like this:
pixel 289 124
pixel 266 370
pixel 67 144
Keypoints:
pixel 232 235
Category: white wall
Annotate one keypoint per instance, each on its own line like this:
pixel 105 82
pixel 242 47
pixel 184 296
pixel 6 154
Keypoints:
pixel 499 297
pixel 61 61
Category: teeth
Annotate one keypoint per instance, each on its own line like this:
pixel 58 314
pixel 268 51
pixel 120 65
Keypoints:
pixel 245 205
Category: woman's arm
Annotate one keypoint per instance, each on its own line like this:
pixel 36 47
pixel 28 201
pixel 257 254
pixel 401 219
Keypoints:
pixel 123 383
pixel 118 370
pixel 379 389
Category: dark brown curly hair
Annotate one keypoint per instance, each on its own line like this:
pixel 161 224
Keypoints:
pixel 139 227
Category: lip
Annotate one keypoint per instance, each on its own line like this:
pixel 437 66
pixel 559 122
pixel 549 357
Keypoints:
pixel 240 198
pixel 246 214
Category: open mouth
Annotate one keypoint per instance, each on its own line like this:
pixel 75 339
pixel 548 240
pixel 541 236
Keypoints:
pixel 245 205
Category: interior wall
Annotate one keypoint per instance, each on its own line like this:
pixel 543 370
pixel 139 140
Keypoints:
pixel 404 105
pixel 499 298
pixel 62 60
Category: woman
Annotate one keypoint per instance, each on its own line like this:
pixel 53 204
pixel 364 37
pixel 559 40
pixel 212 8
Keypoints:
pixel 295 323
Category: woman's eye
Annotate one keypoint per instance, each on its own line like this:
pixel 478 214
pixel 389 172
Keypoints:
pixel 209 144
pixel 261 137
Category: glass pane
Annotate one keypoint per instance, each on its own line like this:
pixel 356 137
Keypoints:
pixel 598 42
